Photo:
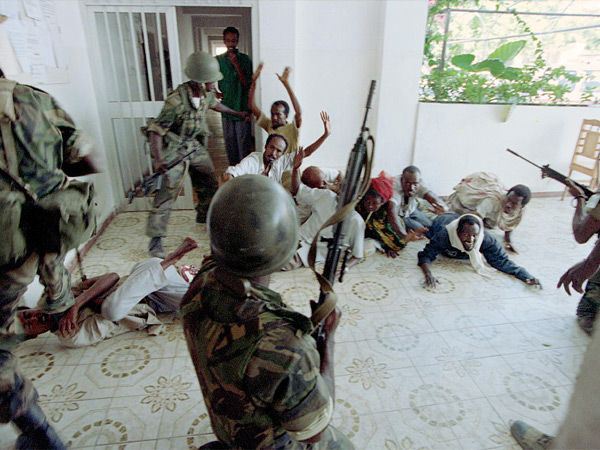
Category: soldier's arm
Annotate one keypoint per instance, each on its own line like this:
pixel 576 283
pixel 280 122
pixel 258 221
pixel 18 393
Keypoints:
pixel 220 107
pixel 585 225
pixel 283 375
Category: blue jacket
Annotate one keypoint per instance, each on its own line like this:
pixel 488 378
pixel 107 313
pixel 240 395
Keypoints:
pixel 493 252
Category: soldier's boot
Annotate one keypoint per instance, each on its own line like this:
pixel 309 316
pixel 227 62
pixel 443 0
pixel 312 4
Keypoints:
pixel 528 437
pixel 155 247
pixel 586 314
pixel 37 433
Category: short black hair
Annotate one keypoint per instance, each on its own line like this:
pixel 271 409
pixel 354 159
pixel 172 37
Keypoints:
pixel 1 74
pixel 275 135
pixel 467 219
pixel 233 30
pixel 411 169
pixel 522 191
pixel 286 107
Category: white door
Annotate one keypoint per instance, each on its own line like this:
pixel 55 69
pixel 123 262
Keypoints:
pixel 138 64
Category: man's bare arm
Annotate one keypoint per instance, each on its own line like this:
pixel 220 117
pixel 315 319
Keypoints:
pixel 326 132
pixel 284 78
pixel 251 102
pixel 101 285
pixel 220 107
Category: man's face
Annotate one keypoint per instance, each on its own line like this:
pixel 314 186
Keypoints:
pixel 273 150
pixel 278 116
pixel 468 235
pixel 410 183
pixel 209 86
pixel 231 41
pixel 512 203
pixel 372 202
pixel 34 322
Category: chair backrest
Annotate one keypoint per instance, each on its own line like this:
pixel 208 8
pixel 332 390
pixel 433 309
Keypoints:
pixel 588 143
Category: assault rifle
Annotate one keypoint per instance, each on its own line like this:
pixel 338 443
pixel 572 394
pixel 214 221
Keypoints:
pixel 355 184
pixel 547 171
pixel 152 183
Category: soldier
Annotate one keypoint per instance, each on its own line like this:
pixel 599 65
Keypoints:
pixel 265 381
pixel 180 128
pixel 44 214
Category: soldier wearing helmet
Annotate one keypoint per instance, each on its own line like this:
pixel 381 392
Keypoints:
pixel 265 381
pixel 180 127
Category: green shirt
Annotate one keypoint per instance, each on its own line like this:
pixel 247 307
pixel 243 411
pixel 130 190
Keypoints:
pixel 235 95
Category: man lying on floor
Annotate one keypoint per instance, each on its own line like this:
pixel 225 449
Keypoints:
pixel 107 305
pixel 464 237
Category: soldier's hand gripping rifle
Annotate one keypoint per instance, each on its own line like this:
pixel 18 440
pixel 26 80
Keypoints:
pixel 547 171
pixel 151 183
pixel 355 185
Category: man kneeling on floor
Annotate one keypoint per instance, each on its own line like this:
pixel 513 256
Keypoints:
pixel 107 306
pixel 463 237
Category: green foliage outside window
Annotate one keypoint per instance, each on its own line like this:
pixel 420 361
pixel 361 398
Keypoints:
pixel 460 77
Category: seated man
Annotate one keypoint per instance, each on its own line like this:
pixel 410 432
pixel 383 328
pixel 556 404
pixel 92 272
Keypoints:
pixel 280 110
pixel 483 194
pixel 107 306
pixel 315 193
pixel 374 210
pixel 464 237
pixel 403 208
pixel 276 160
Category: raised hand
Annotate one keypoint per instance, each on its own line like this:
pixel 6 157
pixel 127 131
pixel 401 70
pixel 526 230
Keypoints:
pixel 326 123
pixel 284 77
pixel 298 158
pixel 257 72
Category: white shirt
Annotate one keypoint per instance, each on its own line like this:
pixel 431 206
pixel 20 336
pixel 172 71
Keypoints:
pixel 253 164
pixel 304 210
pixel 406 208
pixel 322 203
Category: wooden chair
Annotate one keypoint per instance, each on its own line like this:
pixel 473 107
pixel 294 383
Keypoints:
pixel 586 157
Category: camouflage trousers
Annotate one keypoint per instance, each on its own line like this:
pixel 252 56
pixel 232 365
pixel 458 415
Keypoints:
pixel 204 183
pixel 590 302
pixel 17 394
pixel 331 439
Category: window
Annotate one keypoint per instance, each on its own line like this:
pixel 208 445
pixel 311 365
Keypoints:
pixel 523 51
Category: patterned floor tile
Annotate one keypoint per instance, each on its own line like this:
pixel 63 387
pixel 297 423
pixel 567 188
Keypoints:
pixel 415 369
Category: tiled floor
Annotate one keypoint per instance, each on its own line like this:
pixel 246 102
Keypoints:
pixel 414 369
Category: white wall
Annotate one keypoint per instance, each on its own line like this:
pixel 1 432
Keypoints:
pixel 454 140
pixel 338 53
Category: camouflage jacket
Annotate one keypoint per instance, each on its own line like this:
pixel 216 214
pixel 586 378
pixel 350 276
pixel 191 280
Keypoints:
pixel 256 362
pixel 180 118
pixel 46 138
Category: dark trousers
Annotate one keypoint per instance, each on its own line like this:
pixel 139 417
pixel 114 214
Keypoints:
pixel 237 135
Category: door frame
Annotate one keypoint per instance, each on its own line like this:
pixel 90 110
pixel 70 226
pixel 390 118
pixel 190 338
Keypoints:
pixel 99 76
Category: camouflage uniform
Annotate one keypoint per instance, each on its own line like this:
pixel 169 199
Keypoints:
pixel 183 127
pixel 45 140
pixel 258 367
pixel 590 302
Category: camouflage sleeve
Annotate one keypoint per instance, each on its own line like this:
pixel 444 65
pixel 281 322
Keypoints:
pixel 169 114
pixel 211 99
pixel 284 375
pixel 38 107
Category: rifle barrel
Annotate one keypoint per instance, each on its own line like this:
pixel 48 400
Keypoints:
pixel 523 158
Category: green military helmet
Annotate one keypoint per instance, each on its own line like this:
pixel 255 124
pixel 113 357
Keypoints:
pixel 253 226
pixel 203 68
